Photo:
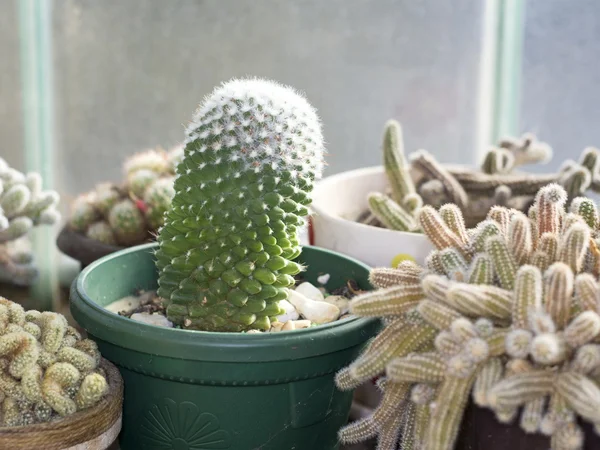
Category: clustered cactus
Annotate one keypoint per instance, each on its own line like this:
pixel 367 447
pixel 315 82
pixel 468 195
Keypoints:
pixel 47 371
pixel 126 215
pixel 424 181
pixel 253 151
pixel 505 314
pixel 23 205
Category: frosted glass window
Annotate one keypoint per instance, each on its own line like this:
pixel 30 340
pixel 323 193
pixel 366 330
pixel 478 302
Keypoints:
pixel 560 99
pixel 130 74
pixel 11 130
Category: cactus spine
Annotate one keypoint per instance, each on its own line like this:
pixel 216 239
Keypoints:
pixel 253 151
pixel 518 337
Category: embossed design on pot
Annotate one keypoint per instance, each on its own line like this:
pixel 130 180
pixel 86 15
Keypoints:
pixel 181 426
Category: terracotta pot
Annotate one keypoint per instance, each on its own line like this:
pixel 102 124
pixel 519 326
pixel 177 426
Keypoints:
pixel 95 428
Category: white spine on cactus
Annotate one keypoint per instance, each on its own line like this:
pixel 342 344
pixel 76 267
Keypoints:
pixel 274 105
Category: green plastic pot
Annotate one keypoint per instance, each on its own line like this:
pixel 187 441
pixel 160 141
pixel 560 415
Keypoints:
pixel 191 390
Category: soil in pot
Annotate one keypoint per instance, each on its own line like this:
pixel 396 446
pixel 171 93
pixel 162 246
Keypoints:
pixel 308 306
pixel 233 391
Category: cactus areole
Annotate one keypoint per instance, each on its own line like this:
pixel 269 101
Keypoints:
pixel 253 151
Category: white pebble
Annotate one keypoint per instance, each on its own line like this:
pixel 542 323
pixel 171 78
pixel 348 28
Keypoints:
pixel 290 312
pixel 276 326
pixel 288 326
pixel 300 324
pixel 125 304
pixel 323 279
pixel 152 319
pixel 253 331
pixel 315 311
pixel 310 291
pixel 339 301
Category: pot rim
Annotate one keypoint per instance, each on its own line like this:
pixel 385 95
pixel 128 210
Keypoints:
pixel 212 346
pixel 343 176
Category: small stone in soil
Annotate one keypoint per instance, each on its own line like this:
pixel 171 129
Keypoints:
pixel 152 319
pixel 151 305
pixel 323 279
pixel 350 290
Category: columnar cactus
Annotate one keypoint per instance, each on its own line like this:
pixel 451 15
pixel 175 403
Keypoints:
pixel 128 214
pixel 253 151
pixel 47 370
pixel 424 181
pixel 23 205
pixel 506 315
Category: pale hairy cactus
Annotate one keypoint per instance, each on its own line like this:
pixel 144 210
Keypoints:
pixel 425 181
pixel 396 212
pixel 509 334
pixel 253 151
pixel 47 370
pixel 23 205
pixel 130 213
pixel 512 153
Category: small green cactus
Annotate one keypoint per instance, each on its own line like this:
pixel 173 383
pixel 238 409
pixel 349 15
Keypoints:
pixel 157 198
pixel 47 370
pixel 253 151
pixel 127 222
pixel 129 214
pixel 23 205
pixel 509 333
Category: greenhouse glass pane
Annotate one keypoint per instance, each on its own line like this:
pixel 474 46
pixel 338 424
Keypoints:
pixel 560 99
pixel 130 74
pixel 11 129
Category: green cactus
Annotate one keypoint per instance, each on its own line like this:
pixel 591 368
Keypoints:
pixel 101 231
pixel 390 213
pixel 425 163
pixel 253 151
pixel 425 181
pixel 46 369
pixel 397 169
pixel 519 337
pixel 127 222
pixel 140 180
pixel 498 160
pixel 154 160
pixel 83 212
pixel 158 198
pixel 128 214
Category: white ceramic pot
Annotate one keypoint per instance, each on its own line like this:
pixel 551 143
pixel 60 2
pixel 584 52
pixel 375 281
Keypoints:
pixel 338 200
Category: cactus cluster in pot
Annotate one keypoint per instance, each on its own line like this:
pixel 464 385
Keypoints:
pixel 127 214
pixel 23 205
pixel 422 180
pixel 47 371
pixel 505 314
pixel 253 151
